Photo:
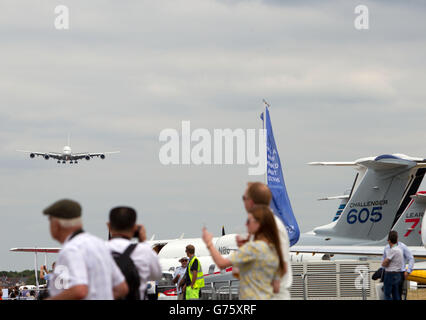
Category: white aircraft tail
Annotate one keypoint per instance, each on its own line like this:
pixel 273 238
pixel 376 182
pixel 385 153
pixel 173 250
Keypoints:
pixel 380 194
pixel 409 223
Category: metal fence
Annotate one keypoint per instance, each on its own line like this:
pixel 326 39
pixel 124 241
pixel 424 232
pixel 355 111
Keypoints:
pixel 221 290
pixel 338 280
pixel 364 281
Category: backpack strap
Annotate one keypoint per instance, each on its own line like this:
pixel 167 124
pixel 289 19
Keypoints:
pixel 129 249
pixel 76 233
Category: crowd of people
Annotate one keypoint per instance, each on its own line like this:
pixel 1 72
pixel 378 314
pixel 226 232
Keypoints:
pixel 91 268
pixel 16 293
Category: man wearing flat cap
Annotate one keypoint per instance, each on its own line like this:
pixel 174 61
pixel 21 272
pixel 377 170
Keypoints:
pixel 85 268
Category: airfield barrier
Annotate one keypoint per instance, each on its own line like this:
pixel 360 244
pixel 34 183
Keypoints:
pixel 339 280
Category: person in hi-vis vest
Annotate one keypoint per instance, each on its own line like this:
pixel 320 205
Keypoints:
pixel 194 275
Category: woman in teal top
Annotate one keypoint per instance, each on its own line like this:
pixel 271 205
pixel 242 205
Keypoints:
pixel 260 262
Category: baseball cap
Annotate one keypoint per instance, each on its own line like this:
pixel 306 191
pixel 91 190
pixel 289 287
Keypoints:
pixel 64 209
pixel 183 258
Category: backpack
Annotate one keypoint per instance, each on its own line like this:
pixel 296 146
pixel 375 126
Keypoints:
pixel 128 268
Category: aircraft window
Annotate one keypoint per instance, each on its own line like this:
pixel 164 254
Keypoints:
pixel 166 279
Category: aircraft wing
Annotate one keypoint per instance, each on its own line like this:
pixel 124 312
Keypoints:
pixel 340 164
pixel 82 155
pixel 53 155
pixel 44 250
pixel 418 252
pixel 346 196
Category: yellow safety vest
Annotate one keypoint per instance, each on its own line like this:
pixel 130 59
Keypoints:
pixel 199 283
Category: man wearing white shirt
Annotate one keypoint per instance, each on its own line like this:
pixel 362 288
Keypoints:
pixel 393 262
pixel 178 277
pixel 85 268
pixel 123 227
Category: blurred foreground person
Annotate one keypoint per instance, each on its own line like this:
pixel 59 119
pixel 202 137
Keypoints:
pixel 137 261
pixel 85 268
pixel 260 262
pixel 258 193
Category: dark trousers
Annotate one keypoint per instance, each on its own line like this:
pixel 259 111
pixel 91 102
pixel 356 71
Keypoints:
pixel 403 287
pixel 391 285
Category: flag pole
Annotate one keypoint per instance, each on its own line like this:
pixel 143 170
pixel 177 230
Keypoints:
pixel 266 105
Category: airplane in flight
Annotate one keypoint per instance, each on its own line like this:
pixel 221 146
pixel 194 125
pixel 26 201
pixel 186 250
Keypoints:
pixel 67 155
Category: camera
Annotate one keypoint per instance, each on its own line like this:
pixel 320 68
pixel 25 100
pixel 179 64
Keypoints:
pixel 136 235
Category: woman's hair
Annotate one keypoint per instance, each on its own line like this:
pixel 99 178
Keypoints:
pixel 268 229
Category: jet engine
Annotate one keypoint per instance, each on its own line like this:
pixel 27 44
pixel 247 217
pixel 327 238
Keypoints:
pixel 87 157
pixel 102 156
pixel 46 157
pixel 32 155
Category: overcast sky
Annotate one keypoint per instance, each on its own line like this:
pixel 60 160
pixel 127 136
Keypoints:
pixel 125 70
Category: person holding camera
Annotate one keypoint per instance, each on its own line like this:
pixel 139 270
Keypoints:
pixel 137 261
pixel 45 274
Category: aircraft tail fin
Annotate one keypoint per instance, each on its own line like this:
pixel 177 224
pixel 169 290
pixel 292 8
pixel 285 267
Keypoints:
pixel 379 193
pixel 409 223
pixel 69 140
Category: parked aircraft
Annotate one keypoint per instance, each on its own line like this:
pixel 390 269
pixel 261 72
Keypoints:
pixel 67 154
pixel 380 194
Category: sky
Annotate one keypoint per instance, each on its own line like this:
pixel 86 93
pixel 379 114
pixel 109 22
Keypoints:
pixel 125 71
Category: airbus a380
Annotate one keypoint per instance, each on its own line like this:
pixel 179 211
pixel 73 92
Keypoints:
pixel 67 155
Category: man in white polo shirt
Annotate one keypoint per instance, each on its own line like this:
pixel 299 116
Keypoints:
pixel 85 268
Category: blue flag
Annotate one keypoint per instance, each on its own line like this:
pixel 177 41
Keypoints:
pixel 280 202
